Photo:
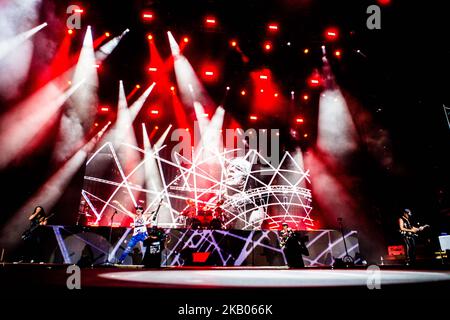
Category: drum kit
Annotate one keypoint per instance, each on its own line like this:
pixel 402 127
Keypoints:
pixel 205 216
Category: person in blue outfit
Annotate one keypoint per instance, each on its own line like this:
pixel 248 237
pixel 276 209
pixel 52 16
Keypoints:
pixel 140 222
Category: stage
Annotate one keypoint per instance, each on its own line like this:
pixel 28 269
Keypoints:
pixel 196 154
pixel 171 285
pixel 96 246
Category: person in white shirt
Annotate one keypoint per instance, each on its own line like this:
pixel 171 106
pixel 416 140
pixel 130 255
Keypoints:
pixel 140 222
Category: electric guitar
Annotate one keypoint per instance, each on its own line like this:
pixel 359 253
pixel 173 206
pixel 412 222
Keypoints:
pixel 284 237
pixel 29 232
pixel 414 234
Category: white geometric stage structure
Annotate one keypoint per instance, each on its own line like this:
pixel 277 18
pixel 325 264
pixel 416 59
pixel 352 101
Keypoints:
pixel 253 193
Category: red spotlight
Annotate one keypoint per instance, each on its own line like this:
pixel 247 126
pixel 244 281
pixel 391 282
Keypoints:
pixel 172 88
pixel 299 120
pixel 305 97
pixel 209 72
pixel 96 124
pixel 138 86
pixel 210 21
pixel 104 109
pixel 338 53
pixel 275 95
pixel 152 69
pixel 332 34
pixel 384 2
pixel 185 39
pixel 150 37
pixel 243 93
pixel 233 43
pixel 306 51
pixel 253 118
pixel 268 46
pixel 263 77
pixel 79 10
pixel 273 27
pixel 315 80
pixel 147 16
pixel 70 32
pixel 154 112
pixel 107 34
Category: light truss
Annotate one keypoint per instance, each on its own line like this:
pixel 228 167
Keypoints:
pixel 269 195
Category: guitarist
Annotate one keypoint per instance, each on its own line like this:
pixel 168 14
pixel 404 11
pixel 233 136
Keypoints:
pixel 409 234
pixel 293 247
pixel 30 236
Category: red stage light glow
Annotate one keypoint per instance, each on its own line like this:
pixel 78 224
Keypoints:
pixel 299 120
pixel 149 37
pixel 243 93
pixel 267 46
pixel 70 31
pixel 305 97
pixel 104 109
pixel 147 16
pixel 152 69
pixel 253 118
pixel 306 51
pixel 331 34
pixel 338 53
pixel 154 112
pixel 315 80
pixel 384 2
pixel 107 34
pixel 185 39
pixel 209 72
pixel 273 27
pixel 233 43
pixel 138 86
pixel 263 77
pixel 210 20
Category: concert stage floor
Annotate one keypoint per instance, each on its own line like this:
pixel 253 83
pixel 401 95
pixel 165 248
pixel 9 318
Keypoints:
pixel 239 280
pixel 271 277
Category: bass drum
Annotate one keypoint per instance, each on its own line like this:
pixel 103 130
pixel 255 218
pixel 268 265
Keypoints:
pixel 195 224
pixel 215 224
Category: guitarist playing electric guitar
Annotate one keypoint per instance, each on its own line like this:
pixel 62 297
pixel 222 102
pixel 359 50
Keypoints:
pixel 31 241
pixel 409 233
pixel 37 218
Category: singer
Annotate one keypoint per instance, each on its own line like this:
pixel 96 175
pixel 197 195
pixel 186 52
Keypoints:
pixel 140 222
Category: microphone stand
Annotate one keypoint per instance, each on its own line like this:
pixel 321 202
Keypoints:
pixel 110 236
